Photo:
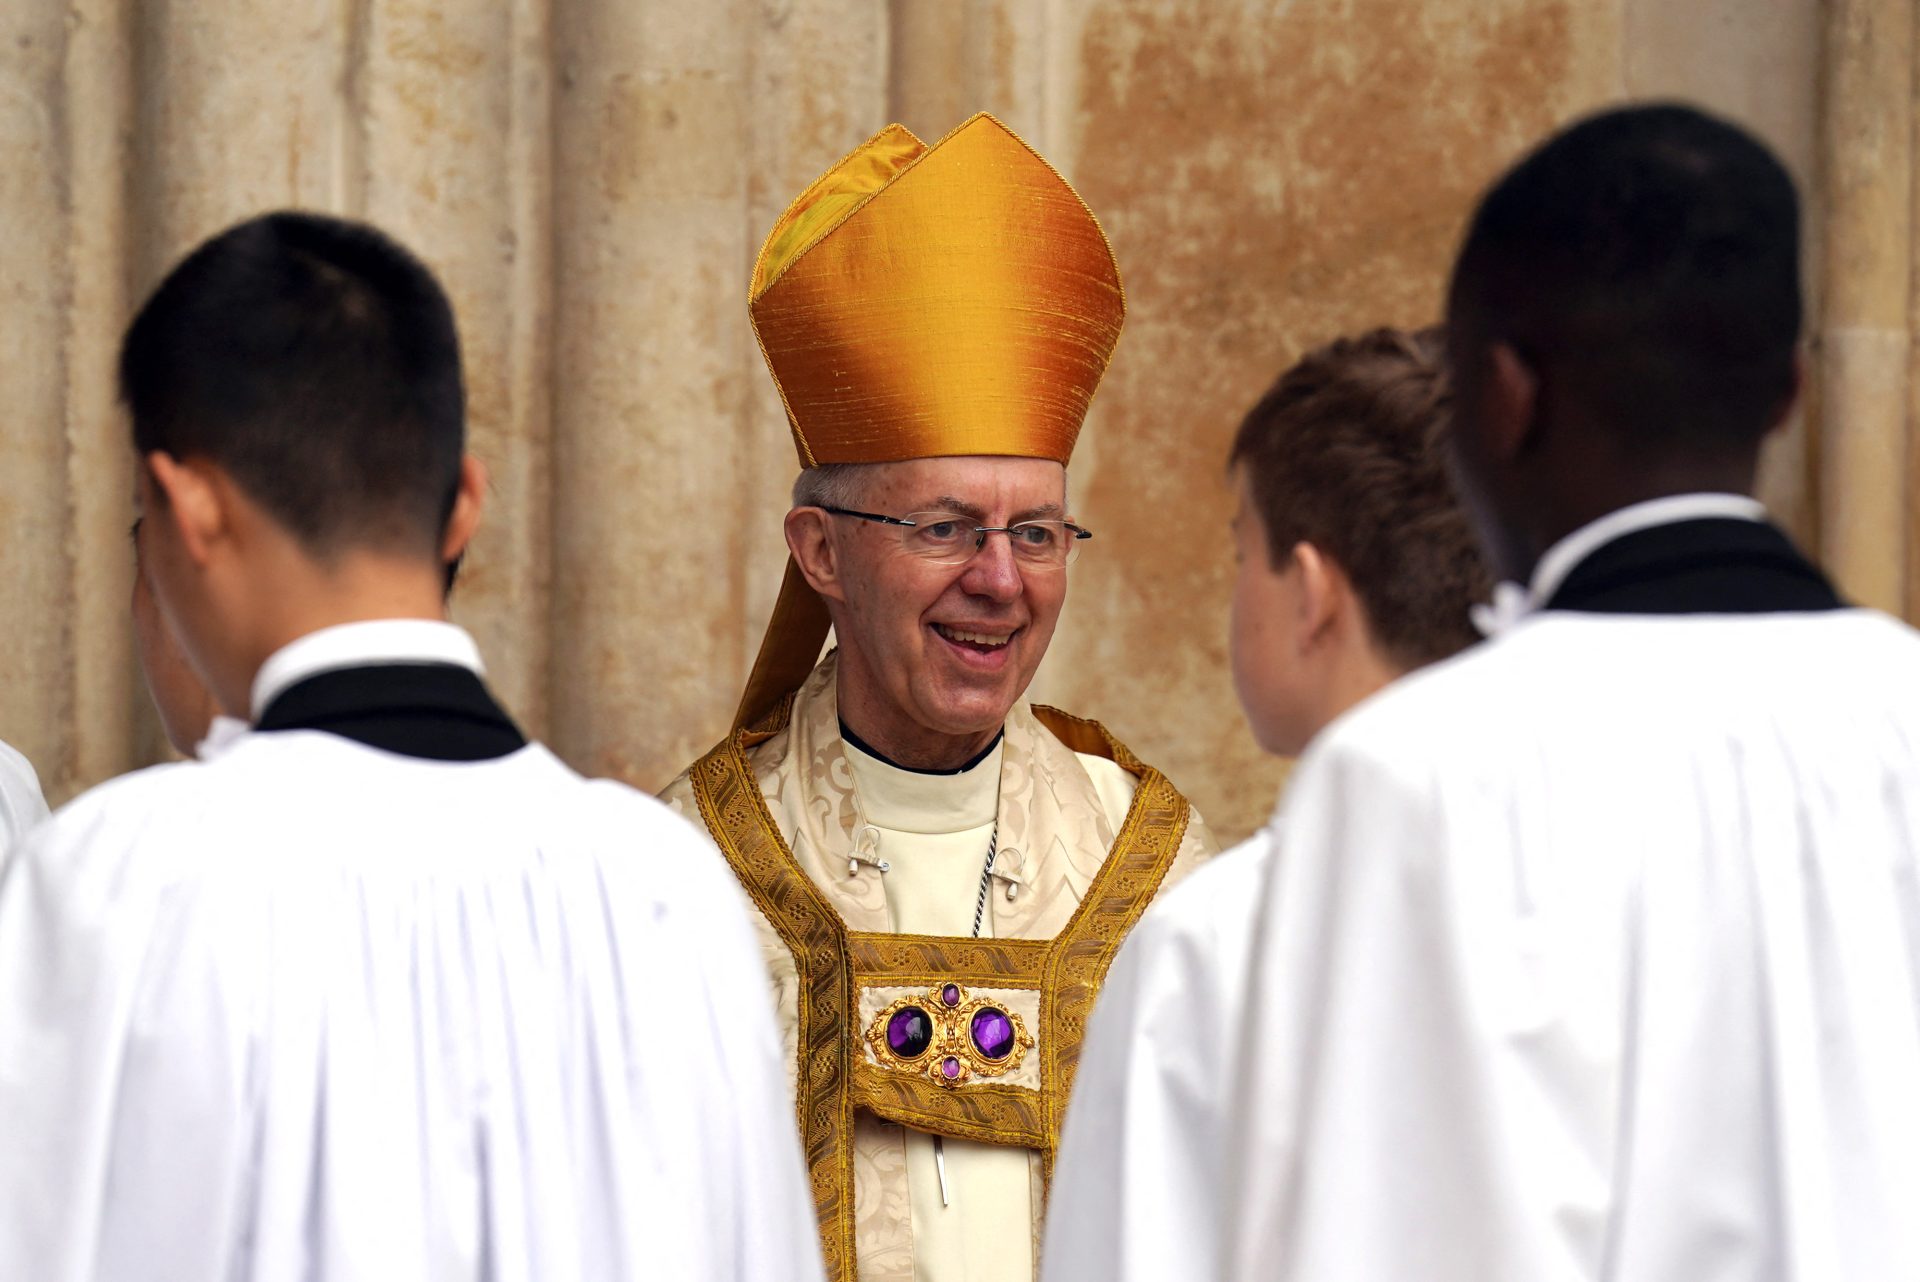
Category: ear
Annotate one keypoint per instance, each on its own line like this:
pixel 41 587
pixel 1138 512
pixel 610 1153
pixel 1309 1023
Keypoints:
pixel 810 540
pixel 191 503
pixel 1322 591
pixel 465 517
pixel 1510 408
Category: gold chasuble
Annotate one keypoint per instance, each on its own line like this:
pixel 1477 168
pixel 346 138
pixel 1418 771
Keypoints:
pixel 920 302
pixel 1087 835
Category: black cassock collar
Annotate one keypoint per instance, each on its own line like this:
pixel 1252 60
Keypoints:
pixel 1708 565
pixel 434 711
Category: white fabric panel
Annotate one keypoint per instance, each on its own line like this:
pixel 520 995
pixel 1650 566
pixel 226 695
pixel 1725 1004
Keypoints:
pixel 1135 1197
pixel 1594 954
pixel 308 1010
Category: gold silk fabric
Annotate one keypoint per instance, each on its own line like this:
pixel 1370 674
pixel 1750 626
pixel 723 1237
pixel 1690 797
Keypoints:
pixel 779 801
pixel 923 301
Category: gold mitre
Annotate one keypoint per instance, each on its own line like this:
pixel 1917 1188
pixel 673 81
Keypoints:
pixel 920 301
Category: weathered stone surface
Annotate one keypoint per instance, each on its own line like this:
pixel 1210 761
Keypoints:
pixel 1862 336
pixel 592 179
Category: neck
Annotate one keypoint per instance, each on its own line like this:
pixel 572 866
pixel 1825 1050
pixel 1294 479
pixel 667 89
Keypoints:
pixel 280 609
pixel 1358 672
pixel 901 740
pixel 1584 499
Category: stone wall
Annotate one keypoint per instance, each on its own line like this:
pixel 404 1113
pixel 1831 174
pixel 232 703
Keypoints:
pixel 592 179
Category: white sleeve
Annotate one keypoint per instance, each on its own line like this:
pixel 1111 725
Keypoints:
pixel 82 1065
pixel 1135 1194
pixel 1400 1104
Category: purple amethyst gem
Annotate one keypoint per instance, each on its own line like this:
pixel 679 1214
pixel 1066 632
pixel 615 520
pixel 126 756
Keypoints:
pixel 950 1067
pixel 992 1032
pixel 950 995
pixel 910 1032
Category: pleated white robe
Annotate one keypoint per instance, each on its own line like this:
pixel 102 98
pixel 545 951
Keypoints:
pixel 307 1010
pixel 1136 1195
pixel 1591 954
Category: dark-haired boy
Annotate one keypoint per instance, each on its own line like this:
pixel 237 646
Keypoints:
pixel 1591 953
pixel 1355 566
pixel 377 988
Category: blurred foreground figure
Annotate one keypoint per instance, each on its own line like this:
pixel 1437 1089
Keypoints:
pixel 22 806
pixel 942 870
pixel 377 988
pixel 1356 565
pixel 1590 954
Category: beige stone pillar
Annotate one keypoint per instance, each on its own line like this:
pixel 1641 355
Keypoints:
pixel 802 120
pixel 949 60
pixel 240 107
pixel 1913 383
pixel 65 699
pixel 651 255
pixel 450 104
pixel 36 699
pixel 1864 342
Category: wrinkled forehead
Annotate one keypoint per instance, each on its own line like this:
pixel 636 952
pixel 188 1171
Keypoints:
pixel 995 486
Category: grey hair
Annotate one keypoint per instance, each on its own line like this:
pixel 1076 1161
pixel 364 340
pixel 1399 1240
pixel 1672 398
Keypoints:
pixel 841 484
pixel 830 485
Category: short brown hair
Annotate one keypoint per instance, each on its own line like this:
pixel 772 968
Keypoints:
pixel 1345 452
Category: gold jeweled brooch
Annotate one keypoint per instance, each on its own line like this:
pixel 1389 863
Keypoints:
pixel 948 1036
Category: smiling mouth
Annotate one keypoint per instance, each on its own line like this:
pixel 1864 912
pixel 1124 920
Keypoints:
pixel 983 642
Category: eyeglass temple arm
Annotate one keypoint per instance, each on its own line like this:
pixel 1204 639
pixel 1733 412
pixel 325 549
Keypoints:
pixel 871 516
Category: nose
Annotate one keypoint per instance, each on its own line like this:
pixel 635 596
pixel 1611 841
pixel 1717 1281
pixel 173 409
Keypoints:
pixel 993 573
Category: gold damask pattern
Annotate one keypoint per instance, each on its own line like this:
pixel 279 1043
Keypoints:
pixel 833 1078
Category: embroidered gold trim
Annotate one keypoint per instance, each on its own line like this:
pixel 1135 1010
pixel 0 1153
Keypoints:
pixel 736 815
pixel 833 1078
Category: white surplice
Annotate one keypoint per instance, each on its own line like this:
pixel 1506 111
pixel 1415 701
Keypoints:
pixel 1135 1194
pixel 1594 954
pixel 22 806
pixel 310 1010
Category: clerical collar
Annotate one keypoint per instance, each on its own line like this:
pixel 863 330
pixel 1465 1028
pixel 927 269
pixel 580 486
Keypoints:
pixel 359 645
pixel 925 801
pixel 846 732
pixel 1570 551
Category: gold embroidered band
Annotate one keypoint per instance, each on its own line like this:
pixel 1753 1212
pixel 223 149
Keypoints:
pixel 835 1075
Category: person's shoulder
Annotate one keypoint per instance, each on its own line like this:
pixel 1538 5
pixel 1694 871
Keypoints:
pixel 674 858
pixel 130 835
pixel 763 757
pixel 1092 746
pixel 1218 893
pixel 22 804
pixel 16 769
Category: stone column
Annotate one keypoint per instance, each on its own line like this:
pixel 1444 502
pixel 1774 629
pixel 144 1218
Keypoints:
pixel 948 61
pixel 1912 547
pixel 1867 190
pixel 801 122
pixel 450 102
pixel 651 254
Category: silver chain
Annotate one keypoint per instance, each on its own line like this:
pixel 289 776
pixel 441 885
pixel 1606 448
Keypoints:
pixel 986 880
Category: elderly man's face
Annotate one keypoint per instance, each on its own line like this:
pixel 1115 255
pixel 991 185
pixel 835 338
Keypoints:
pixel 945 650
